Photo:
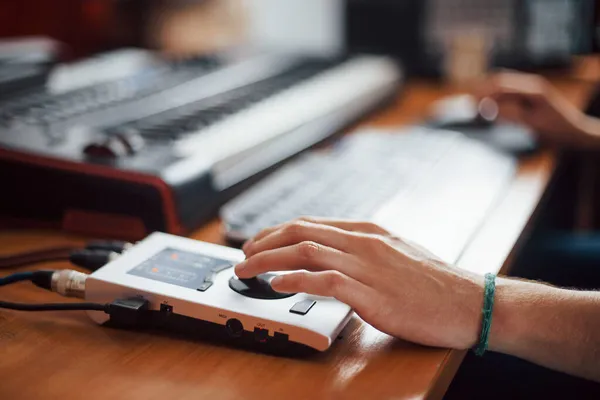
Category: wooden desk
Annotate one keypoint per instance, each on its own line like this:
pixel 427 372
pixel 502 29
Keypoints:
pixel 64 355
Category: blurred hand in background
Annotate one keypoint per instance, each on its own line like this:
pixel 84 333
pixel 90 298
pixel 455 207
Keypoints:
pixel 531 100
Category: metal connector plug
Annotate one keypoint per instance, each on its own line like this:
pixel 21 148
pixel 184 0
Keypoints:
pixel 69 283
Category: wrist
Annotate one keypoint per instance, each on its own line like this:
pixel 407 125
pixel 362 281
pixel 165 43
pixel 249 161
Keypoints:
pixel 519 312
pixel 506 322
pixel 486 314
pixel 471 293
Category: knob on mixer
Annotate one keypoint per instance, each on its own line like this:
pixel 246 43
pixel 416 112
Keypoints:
pixel 118 144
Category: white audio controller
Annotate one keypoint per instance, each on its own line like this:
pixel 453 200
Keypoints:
pixel 186 280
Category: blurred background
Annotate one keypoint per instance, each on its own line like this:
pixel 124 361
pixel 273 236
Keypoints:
pixel 431 37
pixel 159 83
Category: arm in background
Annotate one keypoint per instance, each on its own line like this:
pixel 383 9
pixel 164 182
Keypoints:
pixel 405 291
pixel 531 100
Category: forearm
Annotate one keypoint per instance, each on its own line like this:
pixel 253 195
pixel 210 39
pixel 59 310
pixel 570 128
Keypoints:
pixel 556 328
pixel 589 128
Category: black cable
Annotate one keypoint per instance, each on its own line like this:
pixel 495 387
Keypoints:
pixel 87 259
pixel 99 254
pixel 92 259
pixel 41 279
pixel 18 277
pixel 6 263
pixel 109 245
pixel 96 255
pixel 56 306
pixel 35 257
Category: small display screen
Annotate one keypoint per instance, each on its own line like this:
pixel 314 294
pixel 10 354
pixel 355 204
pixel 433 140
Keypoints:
pixel 181 268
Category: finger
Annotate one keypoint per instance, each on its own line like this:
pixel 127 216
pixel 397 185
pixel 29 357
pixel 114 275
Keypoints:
pixel 511 111
pixel 328 284
pixel 524 100
pixel 511 84
pixel 305 255
pixel 262 234
pixel 302 231
pixel 489 87
pixel 503 97
pixel 512 105
pixel 347 225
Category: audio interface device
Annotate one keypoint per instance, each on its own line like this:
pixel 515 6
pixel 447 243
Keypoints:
pixel 168 282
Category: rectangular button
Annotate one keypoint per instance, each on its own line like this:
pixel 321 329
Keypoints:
pixel 205 285
pixel 221 267
pixel 302 307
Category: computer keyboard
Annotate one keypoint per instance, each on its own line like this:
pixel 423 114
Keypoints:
pixel 432 187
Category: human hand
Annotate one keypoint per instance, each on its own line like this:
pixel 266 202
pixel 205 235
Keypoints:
pixel 531 100
pixel 396 286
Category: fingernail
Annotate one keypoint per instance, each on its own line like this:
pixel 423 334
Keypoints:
pixel 276 280
pixel 240 267
pixel 246 245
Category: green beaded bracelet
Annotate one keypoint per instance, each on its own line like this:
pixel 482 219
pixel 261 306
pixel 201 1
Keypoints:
pixel 488 308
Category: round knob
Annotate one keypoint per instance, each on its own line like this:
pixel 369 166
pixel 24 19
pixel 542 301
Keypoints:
pixel 109 148
pixel 131 138
pixel 257 288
